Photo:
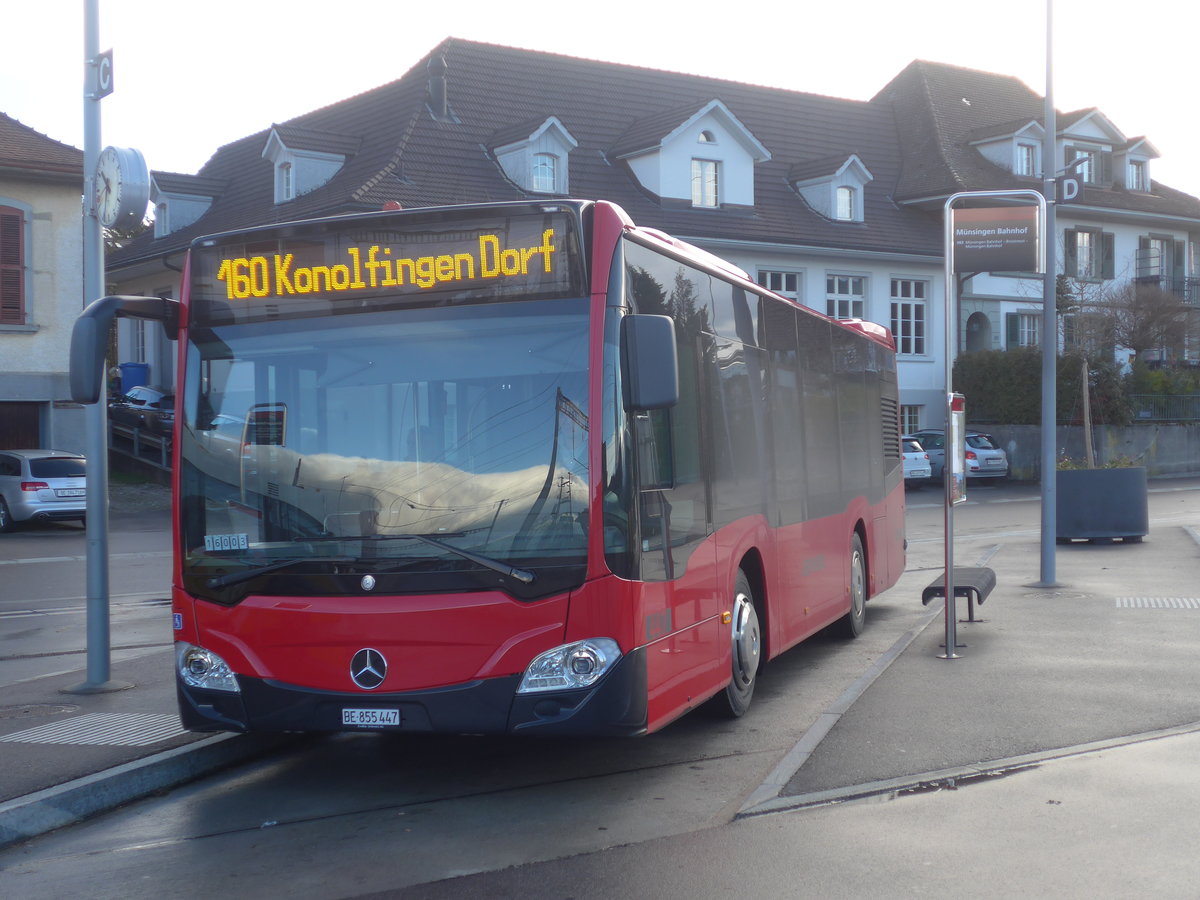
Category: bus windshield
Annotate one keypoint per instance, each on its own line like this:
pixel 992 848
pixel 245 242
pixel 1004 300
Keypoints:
pixel 338 438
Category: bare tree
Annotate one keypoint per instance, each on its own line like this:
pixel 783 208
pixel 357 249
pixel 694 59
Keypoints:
pixel 1136 316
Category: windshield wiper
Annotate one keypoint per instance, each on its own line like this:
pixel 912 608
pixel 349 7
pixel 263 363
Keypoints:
pixel 521 575
pixel 231 578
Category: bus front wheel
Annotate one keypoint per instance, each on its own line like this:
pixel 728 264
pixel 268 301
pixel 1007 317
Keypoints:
pixel 746 640
pixel 854 621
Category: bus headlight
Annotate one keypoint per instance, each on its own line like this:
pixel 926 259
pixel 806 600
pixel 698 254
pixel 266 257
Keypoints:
pixel 576 665
pixel 200 668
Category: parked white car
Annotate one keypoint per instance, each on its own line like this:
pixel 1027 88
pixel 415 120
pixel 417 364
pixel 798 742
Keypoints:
pixel 917 470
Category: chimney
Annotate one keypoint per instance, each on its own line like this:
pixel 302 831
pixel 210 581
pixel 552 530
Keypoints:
pixel 439 104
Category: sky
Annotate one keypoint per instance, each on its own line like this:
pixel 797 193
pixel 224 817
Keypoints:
pixel 190 78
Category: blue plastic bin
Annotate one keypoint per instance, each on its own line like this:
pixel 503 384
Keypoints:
pixel 134 374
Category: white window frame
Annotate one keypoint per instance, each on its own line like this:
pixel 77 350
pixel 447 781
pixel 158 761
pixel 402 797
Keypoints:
pixel 138 339
pixel 1028 329
pixel 910 418
pixel 782 281
pixel 1138 175
pixel 285 181
pixel 543 175
pixel 910 315
pixel 845 203
pixel 162 219
pixel 845 296
pixel 1027 159
pixel 706 183
pixel 1087 260
pixel 1089 170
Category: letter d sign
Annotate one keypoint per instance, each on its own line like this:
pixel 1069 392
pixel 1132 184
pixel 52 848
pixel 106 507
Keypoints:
pixel 1068 188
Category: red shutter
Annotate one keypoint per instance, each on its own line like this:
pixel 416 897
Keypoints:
pixel 12 266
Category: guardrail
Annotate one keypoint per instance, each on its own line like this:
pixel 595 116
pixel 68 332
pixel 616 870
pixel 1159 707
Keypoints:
pixel 142 445
pixel 1165 407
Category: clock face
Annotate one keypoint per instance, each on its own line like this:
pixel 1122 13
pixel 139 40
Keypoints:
pixel 122 187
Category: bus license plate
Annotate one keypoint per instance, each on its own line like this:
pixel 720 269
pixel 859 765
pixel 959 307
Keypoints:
pixel 371 718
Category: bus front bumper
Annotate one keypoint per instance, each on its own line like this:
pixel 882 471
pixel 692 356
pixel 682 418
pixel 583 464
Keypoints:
pixel 616 706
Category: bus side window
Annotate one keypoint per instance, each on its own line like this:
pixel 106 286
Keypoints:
pixel 655 457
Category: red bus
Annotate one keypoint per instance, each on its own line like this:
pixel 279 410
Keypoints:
pixel 507 468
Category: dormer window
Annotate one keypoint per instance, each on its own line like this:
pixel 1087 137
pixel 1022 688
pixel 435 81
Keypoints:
pixel 305 160
pixel 698 155
pixel 180 200
pixel 1085 165
pixel 545 173
pixel 1026 163
pixel 1138 175
pixel 706 183
pixel 536 157
pixel 845 204
pixel 285 183
pixel 1091 164
pixel 833 186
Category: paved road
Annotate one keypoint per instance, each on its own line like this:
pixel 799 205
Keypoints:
pixel 354 814
pixel 43 593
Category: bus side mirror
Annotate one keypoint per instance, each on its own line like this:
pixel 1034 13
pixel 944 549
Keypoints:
pixel 651 362
pixel 89 337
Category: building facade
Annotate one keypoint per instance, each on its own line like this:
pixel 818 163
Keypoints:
pixel 41 287
pixel 836 203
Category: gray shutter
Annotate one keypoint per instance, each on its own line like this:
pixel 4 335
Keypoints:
pixel 1012 324
pixel 1108 255
pixel 12 266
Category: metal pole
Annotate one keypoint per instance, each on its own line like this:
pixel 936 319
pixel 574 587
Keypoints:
pixel 951 344
pixel 1049 321
pixel 98 648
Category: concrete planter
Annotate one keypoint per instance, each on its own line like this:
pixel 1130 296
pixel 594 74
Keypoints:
pixel 1102 504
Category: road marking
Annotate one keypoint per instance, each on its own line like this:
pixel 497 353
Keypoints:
pixel 1158 603
pixel 110 729
pixel 79 604
pixel 155 554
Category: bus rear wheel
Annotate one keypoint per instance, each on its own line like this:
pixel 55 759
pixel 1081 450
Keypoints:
pixel 856 619
pixel 746 641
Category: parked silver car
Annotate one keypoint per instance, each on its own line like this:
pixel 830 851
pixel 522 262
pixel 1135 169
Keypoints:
pixel 37 485
pixel 985 459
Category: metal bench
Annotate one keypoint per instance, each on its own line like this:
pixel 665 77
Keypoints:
pixel 972 583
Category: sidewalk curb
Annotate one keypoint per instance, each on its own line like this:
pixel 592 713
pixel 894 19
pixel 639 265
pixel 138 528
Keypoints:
pixel 948 778
pixel 43 811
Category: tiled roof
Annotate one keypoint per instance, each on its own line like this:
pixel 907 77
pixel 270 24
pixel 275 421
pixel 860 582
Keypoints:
pixel 296 138
pixel 177 183
pixel 913 137
pixel 31 151
pixel 817 168
pixel 940 109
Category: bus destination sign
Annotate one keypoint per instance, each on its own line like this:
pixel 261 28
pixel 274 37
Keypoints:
pixel 375 266
pixel 497 257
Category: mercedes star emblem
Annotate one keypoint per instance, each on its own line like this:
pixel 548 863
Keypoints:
pixel 368 582
pixel 368 668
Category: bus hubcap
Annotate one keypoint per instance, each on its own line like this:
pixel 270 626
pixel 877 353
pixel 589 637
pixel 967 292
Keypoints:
pixel 747 643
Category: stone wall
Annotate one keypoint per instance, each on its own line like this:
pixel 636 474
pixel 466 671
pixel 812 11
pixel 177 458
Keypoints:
pixel 1165 450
